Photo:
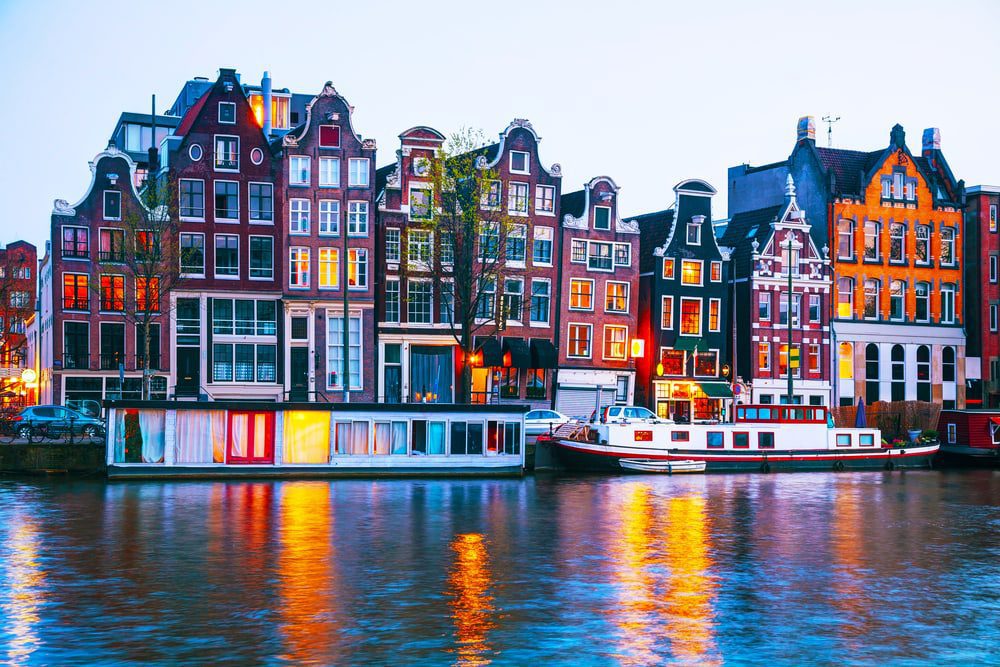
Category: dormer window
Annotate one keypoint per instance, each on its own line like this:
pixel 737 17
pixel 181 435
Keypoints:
pixel 329 136
pixel 227 113
pixel 519 162
pixel 602 217
pixel 694 233
pixel 112 205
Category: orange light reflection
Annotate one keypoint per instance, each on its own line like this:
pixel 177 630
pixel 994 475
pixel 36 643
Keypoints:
pixel 471 603
pixel 23 578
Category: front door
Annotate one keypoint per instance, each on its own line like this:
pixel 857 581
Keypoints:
pixel 188 371
pixel 393 384
pixel 299 375
pixel 251 437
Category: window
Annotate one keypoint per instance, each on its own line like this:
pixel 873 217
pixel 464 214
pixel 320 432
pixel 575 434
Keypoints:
pixel 886 187
pixel 948 303
pixel 871 241
pixel 897 184
pixel 517 198
pixel 446 247
pixel 227 113
pixel 814 307
pixel 813 359
pixel 871 299
pixel 599 256
pixel 113 293
pixel 335 352
pixel 545 199
pixel 513 297
pixel 765 440
pixel 227 153
pixel 846 361
pixel 391 299
pixel 993 268
pixel 953 433
pixel 419 301
pixel 535 383
pixel 690 317
pixel 76 345
pixel 487 294
pixel 616 297
pixel 923 373
pixel 112 345
pixel 227 255
pixel 615 342
pixel 764 356
pixel 714 439
pixel 602 217
pixel 581 294
pixel 261 202
pixel 491 195
pixel 357 268
pixel 298 267
pixel 298 215
pixel 764 306
pixel 329 269
pixel 147 294
pixel 845 239
pixel 673 361
pixel 191 199
pixel 923 302
pixel 112 205
pixel 716 272
pixel 262 257
pixel 540 296
pixel 147 244
pixel 329 217
pixel 948 246
pixel 579 341
pixel 227 200
pixel 420 204
pixel 489 242
pixel 621 389
pixel 75 242
pixel 897 294
pixel 299 167
pixel 392 245
pixel 509 382
pixel 693 233
pixel 691 272
pixel 578 251
pixel 516 238
pixel 541 251
pixel 243 362
pixel 329 172
pixel 358 169
pixel 446 309
pixel 714 319
pixel 419 247
pixel 922 248
pixel 910 189
pixel 111 249
pixel 897 242
pixel 357 218
pixel 519 163
pixel 897 373
pixel 871 373
pixel 741 440
pixel 993 217
pixel 623 254
pixel 667 312
pixel 668 268
pixel 993 317
pixel 76 291
pixel 783 308
pixel 329 136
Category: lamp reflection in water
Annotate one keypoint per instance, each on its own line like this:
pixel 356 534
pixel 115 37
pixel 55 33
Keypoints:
pixel 661 566
pixel 850 562
pixel 310 615
pixel 21 597
pixel 471 603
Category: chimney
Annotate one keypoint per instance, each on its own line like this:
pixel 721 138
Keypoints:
pixel 932 140
pixel 152 157
pixel 806 129
pixel 897 137
pixel 265 88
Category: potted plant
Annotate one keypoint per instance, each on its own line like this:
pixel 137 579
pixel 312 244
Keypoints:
pixel 913 433
pixel 928 437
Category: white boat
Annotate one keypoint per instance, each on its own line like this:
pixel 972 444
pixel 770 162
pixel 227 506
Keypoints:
pixel 660 465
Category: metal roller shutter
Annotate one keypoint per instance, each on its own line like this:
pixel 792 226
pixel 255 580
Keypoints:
pixel 577 402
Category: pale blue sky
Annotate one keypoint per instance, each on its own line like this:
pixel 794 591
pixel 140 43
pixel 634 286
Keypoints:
pixel 647 93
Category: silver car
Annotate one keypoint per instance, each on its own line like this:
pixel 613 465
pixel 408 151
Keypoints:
pixel 537 422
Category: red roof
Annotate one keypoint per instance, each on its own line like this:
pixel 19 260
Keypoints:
pixel 192 113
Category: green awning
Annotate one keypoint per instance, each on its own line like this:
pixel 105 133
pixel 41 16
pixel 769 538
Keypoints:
pixel 689 344
pixel 716 389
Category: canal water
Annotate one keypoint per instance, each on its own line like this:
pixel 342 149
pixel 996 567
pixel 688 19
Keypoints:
pixel 849 568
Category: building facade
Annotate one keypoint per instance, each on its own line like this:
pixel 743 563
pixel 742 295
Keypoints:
pixel 982 295
pixel 598 301
pixel 684 294
pixel 18 297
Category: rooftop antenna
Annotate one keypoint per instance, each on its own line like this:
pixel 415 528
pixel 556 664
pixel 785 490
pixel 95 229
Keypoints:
pixel 830 120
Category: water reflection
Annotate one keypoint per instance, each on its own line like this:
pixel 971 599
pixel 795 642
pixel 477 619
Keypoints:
pixel 849 564
pixel 23 579
pixel 471 603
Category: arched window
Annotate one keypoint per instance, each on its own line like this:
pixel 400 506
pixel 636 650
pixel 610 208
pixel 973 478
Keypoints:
pixel 871 241
pixel 897 358
pixel 923 303
pixel 897 300
pixel 923 373
pixel 948 364
pixel 846 361
pixel 871 299
pixel 871 373
pixel 897 242
pixel 845 298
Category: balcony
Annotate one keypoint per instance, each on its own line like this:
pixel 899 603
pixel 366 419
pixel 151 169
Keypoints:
pixel 76 360
pixel 75 253
pixel 111 256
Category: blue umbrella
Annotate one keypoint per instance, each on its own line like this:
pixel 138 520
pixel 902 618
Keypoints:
pixel 860 421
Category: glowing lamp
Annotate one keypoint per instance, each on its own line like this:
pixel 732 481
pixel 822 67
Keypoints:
pixel 659 368
pixel 28 375
pixel 507 360
pixel 638 346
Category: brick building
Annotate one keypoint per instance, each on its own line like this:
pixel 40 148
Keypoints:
pixel 982 295
pixel 598 301
pixel 18 297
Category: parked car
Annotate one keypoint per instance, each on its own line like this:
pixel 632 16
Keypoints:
pixel 55 421
pixel 630 413
pixel 537 422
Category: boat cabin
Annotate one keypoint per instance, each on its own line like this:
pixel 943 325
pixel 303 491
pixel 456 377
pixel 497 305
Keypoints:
pixel 975 430
pixel 782 414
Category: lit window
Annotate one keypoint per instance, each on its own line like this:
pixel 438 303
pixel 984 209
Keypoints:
pixel 764 356
pixel 298 267
pixel 667 313
pixel 581 294
pixel 716 272
pixel 579 341
pixel 714 315
pixel 690 317
pixel 668 268
pixel 616 297
pixel 357 268
pixel 691 272
pixel 329 268
pixel 845 298
pixel 614 342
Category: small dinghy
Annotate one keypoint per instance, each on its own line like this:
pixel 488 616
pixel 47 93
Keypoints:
pixel 662 465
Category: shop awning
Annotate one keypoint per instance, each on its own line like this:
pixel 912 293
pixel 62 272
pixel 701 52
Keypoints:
pixel 520 356
pixel 489 348
pixel 543 354
pixel 688 344
pixel 995 420
pixel 716 389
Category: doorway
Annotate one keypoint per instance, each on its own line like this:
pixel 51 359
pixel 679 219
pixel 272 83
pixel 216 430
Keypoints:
pixel 188 371
pixel 299 374
pixel 251 437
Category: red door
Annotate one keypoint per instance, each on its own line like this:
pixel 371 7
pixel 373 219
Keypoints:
pixel 251 437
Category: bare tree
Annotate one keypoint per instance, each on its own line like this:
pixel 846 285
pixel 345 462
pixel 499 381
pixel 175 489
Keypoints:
pixel 471 220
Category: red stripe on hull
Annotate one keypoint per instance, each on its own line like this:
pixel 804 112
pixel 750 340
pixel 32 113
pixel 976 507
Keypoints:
pixel 689 455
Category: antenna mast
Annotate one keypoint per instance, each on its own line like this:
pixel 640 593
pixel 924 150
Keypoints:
pixel 830 120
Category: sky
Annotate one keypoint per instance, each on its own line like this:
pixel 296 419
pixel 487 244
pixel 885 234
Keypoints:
pixel 649 93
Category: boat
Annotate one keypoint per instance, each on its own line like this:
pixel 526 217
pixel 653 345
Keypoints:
pixel 765 438
pixel 659 465
pixel 970 437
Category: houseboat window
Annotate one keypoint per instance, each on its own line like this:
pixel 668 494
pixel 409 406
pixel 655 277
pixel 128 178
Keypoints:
pixel 512 438
pixel 201 436
pixel 866 440
pixel 390 438
pixel 680 436
pixel 494 437
pixel 306 436
pixel 797 414
pixel 251 437
pixel 843 439
pixel 765 440
pixel 952 433
pixel 467 438
pixel 741 440
pixel 750 414
pixel 352 438
pixel 766 414
pixel 428 437
pixel 139 436
pixel 715 439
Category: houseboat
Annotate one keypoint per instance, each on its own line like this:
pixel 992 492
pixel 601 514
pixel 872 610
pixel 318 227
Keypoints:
pixel 763 438
pixel 149 439
pixel 970 436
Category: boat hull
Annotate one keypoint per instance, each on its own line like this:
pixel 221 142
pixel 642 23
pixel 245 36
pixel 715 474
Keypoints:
pixel 601 458
pixel 961 455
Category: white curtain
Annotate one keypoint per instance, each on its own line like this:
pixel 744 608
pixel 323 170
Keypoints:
pixel 201 436
pixel 307 436
pixel 383 438
pixel 359 438
pixel 151 425
pixel 399 438
pixel 435 437
pixel 119 436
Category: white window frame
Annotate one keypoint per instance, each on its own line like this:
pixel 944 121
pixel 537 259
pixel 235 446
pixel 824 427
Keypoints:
pixel 215 153
pixel 293 268
pixel 590 340
pixel 544 234
pixel 527 162
pixel 228 221
pixel 510 320
pixel 295 182
pixel 204 203
pixel 398 300
pixel 573 242
pixel 325 228
pixel 994 317
pixel 423 187
pixel 521 232
pixel 696 226
pixel 664 324
pixel 593 294
pixel 364 166
pixel 993 268
pixel 701 272
pixel 259 221
pixel 319 266
pixel 701 316
pixel 299 208
pixel 548 310
pixel 763 344
pixel 350 213
pixel 949 289
pixel 718 323
pixel 104 205
pixel 215 257
pixel 539 188
pixel 180 259
pixel 340 340
pixel 668 261
pixel 427 244
pixel 396 246
pixel 628 296
pixel 250 249
pixel 484 199
pixel 610 221
pixel 430 300
pixel 327 160
pixel 611 256
pixel 711 270
pixel 604 342
pixel 227 122
pixel 359 253
pixel 512 209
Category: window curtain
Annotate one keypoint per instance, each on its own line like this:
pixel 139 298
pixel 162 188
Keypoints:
pixel 431 373
pixel 201 436
pixel 435 437
pixel 119 436
pixel 399 438
pixel 239 435
pixel 152 427
pixel 359 438
pixel 307 436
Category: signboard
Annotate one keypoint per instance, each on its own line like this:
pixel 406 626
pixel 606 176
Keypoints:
pixel 793 359
pixel 644 436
